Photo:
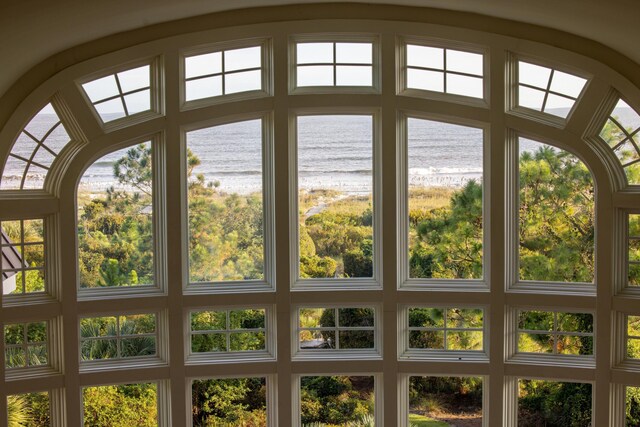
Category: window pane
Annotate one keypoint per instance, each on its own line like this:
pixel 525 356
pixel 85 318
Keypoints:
pixel 127 404
pixel 558 105
pixel 110 110
pixel 314 75
pixel 354 53
pixel 115 220
pixel 29 409
pixel 314 53
pixel 445 401
pixel 632 400
pixel 633 337
pixel 246 319
pixel 533 75
pixel 203 88
pixel 425 80
pixel 200 65
pixel 424 56
pixel 556 215
pixel 464 62
pixel 136 78
pixel 337 400
pixel 567 84
pixel 229 402
pixel 138 102
pixel 444 200
pixel 26 344
pixel 23 256
pixel 241 59
pixel 209 321
pixel 426 317
pixel 553 403
pixel 530 98
pixel 432 340
pixel 465 86
pixel 353 75
pixel 555 332
pixel 335 185
pixel 102 88
pixel 243 82
pixel 627 121
pixel 224 174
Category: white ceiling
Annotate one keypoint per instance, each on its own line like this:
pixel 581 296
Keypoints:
pixel 32 30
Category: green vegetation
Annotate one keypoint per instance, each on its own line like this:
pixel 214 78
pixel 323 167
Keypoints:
pixel 120 406
pixel 554 404
pixel 416 420
pixel 337 401
pixel 431 398
pixel 229 402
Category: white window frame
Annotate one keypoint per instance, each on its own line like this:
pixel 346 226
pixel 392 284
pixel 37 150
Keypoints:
pixel 266 69
pixel 54 352
pixel 268 283
pixel 156 87
pixel 428 354
pixel 546 359
pixel 513 81
pixel 512 247
pixel 159 359
pixel 374 353
pixel 402 89
pixel 427 284
pixel 212 357
pixel 356 283
pixel 159 285
pixel 376 77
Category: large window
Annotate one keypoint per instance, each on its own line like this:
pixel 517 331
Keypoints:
pixel 322 223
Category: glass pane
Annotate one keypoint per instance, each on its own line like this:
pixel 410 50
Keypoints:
pixel 554 403
pixel 14 334
pixel 314 75
pixel 29 409
pixel 37 332
pixel 462 340
pixel 465 86
pixel 575 322
pixel 15 357
pixel 229 402
pixel 200 65
pixel 424 56
pixel 464 318
pixel 354 53
pixel 530 98
pixel 98 327
pixel 574 345
pixel 464 62
pixel 209 321
pixel 567 84
pixel 14 170
pixel 242 82
pixel 241 59
pixel 445 164
pixel 246 319
pixel 42 122
pixel 138 347
pixel 310 317
pixel 43 157
pixel 533 75
pixel 353 75
pixel 351 400
pixel 37 355
pixel 138 102
pixel 314 53
pixel 632 400
pixel 203 88
pixel 208 342
pixel 558 105
pixel 354 317
pixel 137 324
pixel 102 88
pixel 97 349
pixel 445 401
pixel 556 215
pixel 633 326
pixel 57 139
pixel 356 339
pixel 611 133
pixel 535 343
pixel 35 177
pixel 425 80
pixel 535 321
pixel 247 341
pixel 115 220
pixel 110 110
pixel 224 175
pixel 433 340
pixel 121 405
pixel 423 317
pixel 314 340
pixel 136 78
pixel 335 190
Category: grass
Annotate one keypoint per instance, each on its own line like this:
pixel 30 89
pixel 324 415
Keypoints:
pixel 421 198
pixel 416 420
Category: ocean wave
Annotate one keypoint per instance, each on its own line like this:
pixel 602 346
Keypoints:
pixel 444 171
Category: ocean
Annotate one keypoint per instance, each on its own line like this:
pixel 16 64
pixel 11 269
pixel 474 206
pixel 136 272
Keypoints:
pixel 334 152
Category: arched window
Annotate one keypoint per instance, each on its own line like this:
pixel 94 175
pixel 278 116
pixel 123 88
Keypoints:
pixel 323 223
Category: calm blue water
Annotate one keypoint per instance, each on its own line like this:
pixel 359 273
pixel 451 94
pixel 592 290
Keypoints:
pixel 333 152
